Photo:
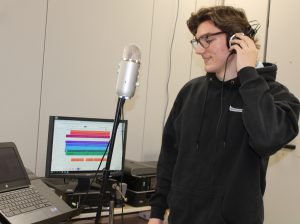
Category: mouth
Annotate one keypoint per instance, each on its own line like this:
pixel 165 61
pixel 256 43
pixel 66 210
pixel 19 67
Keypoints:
pixel 206 59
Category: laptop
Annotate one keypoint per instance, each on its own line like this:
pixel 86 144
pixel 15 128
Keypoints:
pixel 23 200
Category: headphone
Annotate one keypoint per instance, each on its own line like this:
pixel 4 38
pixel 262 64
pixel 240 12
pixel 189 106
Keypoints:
pixel 250 31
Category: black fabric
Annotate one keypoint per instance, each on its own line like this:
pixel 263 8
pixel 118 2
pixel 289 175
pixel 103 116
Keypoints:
pixel 216 145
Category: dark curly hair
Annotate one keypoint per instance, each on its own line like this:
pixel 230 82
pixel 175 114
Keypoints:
pixel 227 18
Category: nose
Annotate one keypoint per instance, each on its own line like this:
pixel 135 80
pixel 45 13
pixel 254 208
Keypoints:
pixel 199 49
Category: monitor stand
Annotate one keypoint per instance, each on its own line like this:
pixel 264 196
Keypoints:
pixel 83 185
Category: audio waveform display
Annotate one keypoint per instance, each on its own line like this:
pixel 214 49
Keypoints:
pixel 88 134
pixel 86 143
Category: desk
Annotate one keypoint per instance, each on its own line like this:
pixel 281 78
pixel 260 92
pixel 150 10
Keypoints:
pixel 117 220
pixel 130 216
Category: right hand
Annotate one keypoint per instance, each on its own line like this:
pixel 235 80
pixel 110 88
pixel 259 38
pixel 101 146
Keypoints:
pixel 246 51
pixel 155 221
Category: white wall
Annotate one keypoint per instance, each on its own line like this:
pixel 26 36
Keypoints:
pixel 22 25
pixel 60 57
pixel 283 190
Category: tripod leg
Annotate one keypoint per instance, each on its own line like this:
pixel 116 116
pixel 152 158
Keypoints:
pixel 111 211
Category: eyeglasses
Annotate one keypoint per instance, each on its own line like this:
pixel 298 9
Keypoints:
pixel 205 40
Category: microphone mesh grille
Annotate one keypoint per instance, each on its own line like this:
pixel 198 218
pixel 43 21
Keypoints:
pixel 132 52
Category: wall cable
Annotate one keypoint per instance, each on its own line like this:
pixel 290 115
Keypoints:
pixel 41 88
pixel 170 65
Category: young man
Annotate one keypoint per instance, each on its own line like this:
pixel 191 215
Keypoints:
pixel 222 128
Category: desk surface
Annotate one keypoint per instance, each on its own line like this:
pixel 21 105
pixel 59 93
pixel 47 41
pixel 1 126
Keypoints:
pixel 117 211
pixel 117 220
pixel 130 216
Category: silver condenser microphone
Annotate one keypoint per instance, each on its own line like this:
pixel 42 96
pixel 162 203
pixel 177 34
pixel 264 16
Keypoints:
pixel 128 72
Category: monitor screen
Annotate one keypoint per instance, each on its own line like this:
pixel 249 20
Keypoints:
pixel 77 145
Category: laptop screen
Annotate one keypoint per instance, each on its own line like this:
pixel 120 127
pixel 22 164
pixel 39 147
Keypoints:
pixel 12 172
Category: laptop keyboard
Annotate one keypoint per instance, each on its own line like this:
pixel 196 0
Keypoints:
pixel 20 201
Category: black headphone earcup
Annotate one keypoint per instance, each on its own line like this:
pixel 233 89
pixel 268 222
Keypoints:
pixel 228 37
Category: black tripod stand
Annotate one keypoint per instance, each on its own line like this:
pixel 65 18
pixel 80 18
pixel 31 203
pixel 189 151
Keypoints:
pixel 106 171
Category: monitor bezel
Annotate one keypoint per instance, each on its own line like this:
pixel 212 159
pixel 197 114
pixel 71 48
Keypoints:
pixel 79 174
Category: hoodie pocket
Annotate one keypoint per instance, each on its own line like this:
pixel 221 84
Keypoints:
pixel 188 207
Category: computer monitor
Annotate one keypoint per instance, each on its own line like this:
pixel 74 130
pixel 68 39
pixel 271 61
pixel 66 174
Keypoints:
pixel 76 146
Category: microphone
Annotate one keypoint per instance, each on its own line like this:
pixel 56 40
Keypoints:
pixel 128 72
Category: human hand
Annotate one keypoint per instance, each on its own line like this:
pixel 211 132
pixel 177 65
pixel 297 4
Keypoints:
pixel 246 51
pixel 155 221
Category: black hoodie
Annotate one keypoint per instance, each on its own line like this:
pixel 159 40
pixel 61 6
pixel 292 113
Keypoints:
pixel 216 145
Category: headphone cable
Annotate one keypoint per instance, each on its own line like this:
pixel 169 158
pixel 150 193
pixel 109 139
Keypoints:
pixel 222 90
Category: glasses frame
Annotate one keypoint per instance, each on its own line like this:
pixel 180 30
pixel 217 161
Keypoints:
pixel 204 40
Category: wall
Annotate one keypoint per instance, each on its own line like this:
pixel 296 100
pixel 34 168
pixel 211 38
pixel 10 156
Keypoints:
pixel 282 194
pixel 22 25
pixel 60 57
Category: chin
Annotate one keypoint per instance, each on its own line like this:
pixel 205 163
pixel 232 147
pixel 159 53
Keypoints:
pixel 209 69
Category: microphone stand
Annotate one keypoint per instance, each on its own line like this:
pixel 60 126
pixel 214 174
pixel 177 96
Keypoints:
pixel 106 171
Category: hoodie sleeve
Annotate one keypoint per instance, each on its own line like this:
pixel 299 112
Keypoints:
pixel 166 161
pixel 270 112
